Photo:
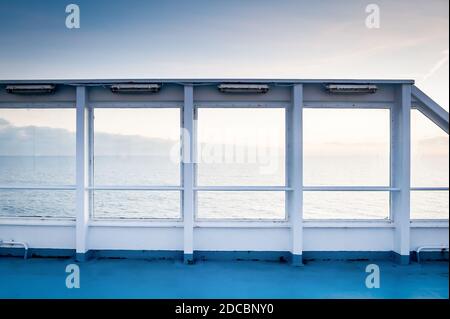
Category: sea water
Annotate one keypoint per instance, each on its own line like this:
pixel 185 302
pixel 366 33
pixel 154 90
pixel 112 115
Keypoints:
pixel 161 171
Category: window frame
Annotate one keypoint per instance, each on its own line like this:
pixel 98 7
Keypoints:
pixel 92 187
pixel 360 188
pixel 261 188
pixel 426 188
pixel 49 187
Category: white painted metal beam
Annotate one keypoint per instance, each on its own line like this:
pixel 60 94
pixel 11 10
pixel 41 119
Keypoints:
pixel 428 189
pixel 431 109
pixel 349 189
pixel 38 188
pixel 188 159
pixel 99 82
pixel 135 105
pixel 135 188
pixel 243 105
pixel 36 105
pixel 379 105
pixel 82 171
pixel 401 172
pixel 294 172
pixel 242 188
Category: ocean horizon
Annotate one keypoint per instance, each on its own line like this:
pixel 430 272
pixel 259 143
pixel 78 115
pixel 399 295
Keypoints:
pixel 158 170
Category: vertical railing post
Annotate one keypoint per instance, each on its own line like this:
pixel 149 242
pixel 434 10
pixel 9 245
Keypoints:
pixel 400 172
pixel 82 172
pixel 188 159
pixel 294 172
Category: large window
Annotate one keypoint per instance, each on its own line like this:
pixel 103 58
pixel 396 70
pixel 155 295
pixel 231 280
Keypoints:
pixel 37 163
pixel 429 169
pixel 240 163
pixel 241 159
pixel 136 163
pixel 346 163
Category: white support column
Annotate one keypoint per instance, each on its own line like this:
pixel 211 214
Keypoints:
pixel 188 151
pixel 294 172
pixel 82 172
pixel 400 172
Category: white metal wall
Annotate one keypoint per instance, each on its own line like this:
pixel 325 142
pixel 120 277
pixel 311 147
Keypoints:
pixel 222 239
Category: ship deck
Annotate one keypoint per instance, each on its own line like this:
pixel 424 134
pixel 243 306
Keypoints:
pixel 128 278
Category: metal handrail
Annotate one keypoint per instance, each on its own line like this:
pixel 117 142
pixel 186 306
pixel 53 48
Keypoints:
pixel 16 243
pixel 437 247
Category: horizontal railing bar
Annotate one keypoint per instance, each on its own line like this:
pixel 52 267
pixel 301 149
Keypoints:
pixel 429 188
pixel 241 223
pixel 346 105
pixel 44 187
pixel 345 223
pixel 133 222
pixel 350 189
pixel 221 188
pixel 218 104
pixel 37 105
pixel 171 105
pixel 135 188
pixel 242 188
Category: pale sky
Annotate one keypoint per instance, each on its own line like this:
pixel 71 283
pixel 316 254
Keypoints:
pixel 227 39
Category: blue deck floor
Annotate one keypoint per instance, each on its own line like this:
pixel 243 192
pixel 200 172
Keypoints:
pixel 107 278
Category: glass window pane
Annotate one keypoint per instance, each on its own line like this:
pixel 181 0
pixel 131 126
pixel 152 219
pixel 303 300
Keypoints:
pixel 136 204
pixel 241 205
pixel 345 205
pixel 241 147
pixel 37 203
pixel 344 147
pixel 429 153
pixel 37 147
pixel 430 205
pixel 137 147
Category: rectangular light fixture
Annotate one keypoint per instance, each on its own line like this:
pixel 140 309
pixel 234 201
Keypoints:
pixel 243 88
pixel 30 89
pixel 136 88
pixel 351 88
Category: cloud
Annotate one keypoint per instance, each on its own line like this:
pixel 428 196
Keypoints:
pixel 439 64
pixel 46 141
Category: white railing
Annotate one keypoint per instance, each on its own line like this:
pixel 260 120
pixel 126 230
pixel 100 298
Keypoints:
pixel 399 188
